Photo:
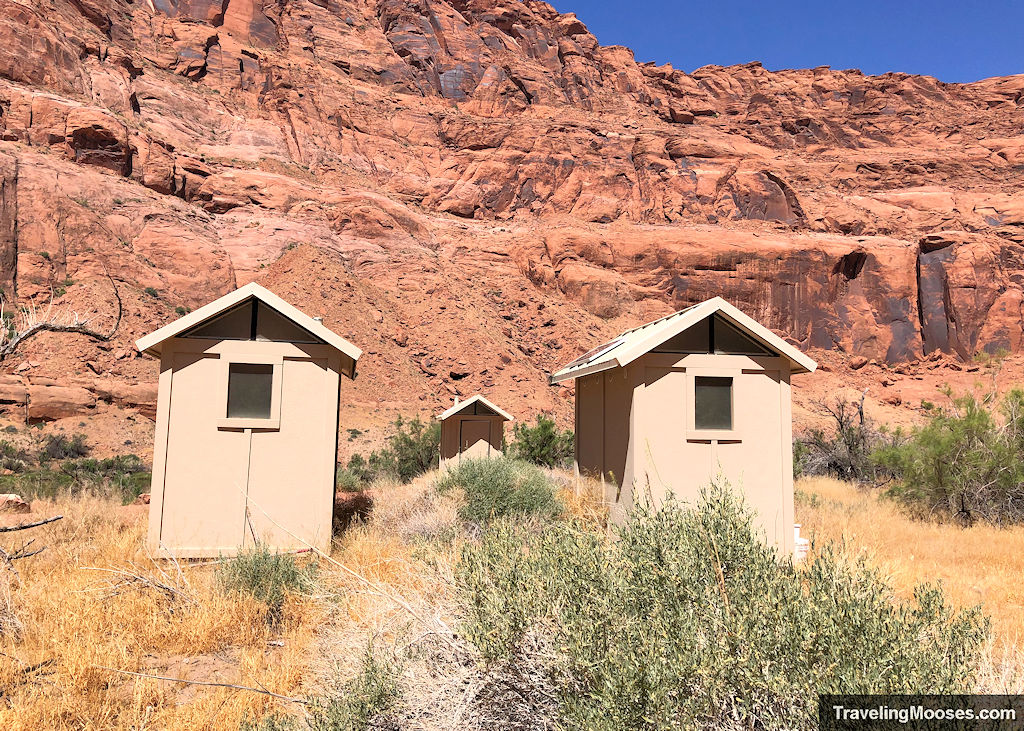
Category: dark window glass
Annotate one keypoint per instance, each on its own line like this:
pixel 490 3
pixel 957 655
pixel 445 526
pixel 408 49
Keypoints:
pixel 235 324
pixel 694 339
pixel 729 339
pixel 251 320
pixel 272 326
pixel 249 390
pixel 713 403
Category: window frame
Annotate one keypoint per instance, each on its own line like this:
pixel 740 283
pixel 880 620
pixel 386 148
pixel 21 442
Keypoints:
pixel 271 423
pixel 734 434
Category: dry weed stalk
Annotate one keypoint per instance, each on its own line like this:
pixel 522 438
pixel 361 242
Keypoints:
pixel 25 550
pixel 134 578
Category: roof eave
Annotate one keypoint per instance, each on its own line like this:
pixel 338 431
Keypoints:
pixel 564 375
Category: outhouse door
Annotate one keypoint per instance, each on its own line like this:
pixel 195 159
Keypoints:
pixel 475 439
pixel 205 477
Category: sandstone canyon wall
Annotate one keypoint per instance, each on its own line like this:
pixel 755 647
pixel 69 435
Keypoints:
pixel 475 192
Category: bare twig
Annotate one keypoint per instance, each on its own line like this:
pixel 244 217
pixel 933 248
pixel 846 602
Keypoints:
pixel 26 526
pixel 32 323
pixel 133 578
pixel 303 701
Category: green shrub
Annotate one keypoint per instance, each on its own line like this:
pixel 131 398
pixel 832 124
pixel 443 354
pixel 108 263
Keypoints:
pixel 13 458
pixel 58 446
pixel 124 474
pixel 412 449
pixel 180 310
pixel 361 703
pixel 265 575
pixel 543 443
pixel 497 487
pixel 346 480
pixel 967 462
pixel 273 722
pixel 152 292
pixel 689 620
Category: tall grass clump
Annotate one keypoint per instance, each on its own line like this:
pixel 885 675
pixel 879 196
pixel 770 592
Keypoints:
pixel 689 620
pixel 543 443
pixel 497 487
pixel 967 462
pixel 266 576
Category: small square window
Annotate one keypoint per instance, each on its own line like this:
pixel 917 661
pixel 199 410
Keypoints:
pixel 712 403
pixel 250 387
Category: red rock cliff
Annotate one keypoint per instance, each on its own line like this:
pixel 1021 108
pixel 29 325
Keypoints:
pixel 479 190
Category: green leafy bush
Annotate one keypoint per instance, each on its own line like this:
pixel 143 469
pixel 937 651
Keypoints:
pixel 543 443
pixel 13 458
pixel 266 576
pixel 361 703
pixel 689 620
pixel 58 446
pixel 967 462
pixel 123 474
pixel 412 449
pixel 497 487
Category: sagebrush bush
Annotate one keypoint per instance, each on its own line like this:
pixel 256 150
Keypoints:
pixel 967 462
pixel 543 443
pixel 267 576
pixel 362 702
pixel 689 620
pixel 496 487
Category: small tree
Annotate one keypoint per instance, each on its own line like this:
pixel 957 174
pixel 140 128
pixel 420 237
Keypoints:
pixel 412 449
pixel 543 443
pixel 844 450
pixel 966 462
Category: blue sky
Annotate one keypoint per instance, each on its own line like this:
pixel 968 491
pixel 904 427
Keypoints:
pixel 953 41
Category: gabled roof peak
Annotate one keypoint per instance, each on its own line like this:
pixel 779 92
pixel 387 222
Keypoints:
pixel 460 405
pixel 637 341
pixel 151 343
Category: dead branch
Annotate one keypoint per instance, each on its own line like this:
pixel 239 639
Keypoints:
pixel 134 578
pixel 21 552
pixel 33 323
pixel 26 526
pixel 303 701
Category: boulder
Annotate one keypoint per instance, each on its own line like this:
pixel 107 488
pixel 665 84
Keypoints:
pixel 47 403
pixel 127 395
pixel 11 503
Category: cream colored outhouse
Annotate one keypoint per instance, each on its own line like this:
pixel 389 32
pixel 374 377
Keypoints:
pixel 700 394
pixel 470 429
pixel 247 427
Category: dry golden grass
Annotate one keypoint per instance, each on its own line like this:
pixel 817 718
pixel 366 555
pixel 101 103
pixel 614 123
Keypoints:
pixel 980 565
pixel 389 584
pixel 74 619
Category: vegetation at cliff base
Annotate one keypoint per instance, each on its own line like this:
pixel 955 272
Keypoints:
pixel 689 620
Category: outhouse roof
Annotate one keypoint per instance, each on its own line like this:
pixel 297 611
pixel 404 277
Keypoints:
pixel 462 405
pixel 632 344
pixel 151 343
